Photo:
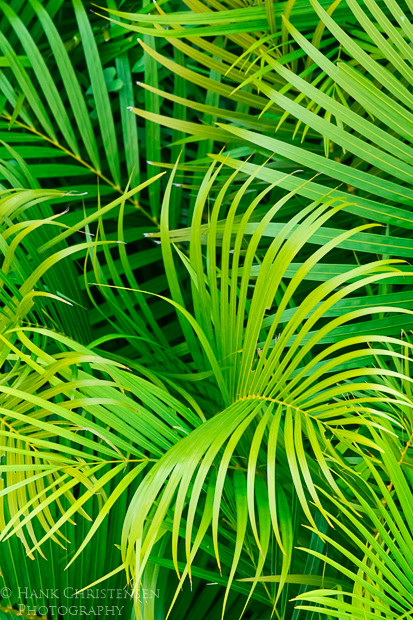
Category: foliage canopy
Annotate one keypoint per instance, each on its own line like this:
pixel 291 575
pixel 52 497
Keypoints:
pixel 206 308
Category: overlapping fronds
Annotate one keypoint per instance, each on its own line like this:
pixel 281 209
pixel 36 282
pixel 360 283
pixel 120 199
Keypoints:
pixel 205 382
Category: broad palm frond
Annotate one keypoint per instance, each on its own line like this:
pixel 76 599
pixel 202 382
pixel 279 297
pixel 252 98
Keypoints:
pixel 350 91
pixel 379 550
pixel 281 394
pixel 48 113
pixel 291 402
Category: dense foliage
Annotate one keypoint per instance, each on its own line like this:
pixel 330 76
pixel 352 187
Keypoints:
pixel 206 309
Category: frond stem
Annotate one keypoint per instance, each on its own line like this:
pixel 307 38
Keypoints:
pixel 82 162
